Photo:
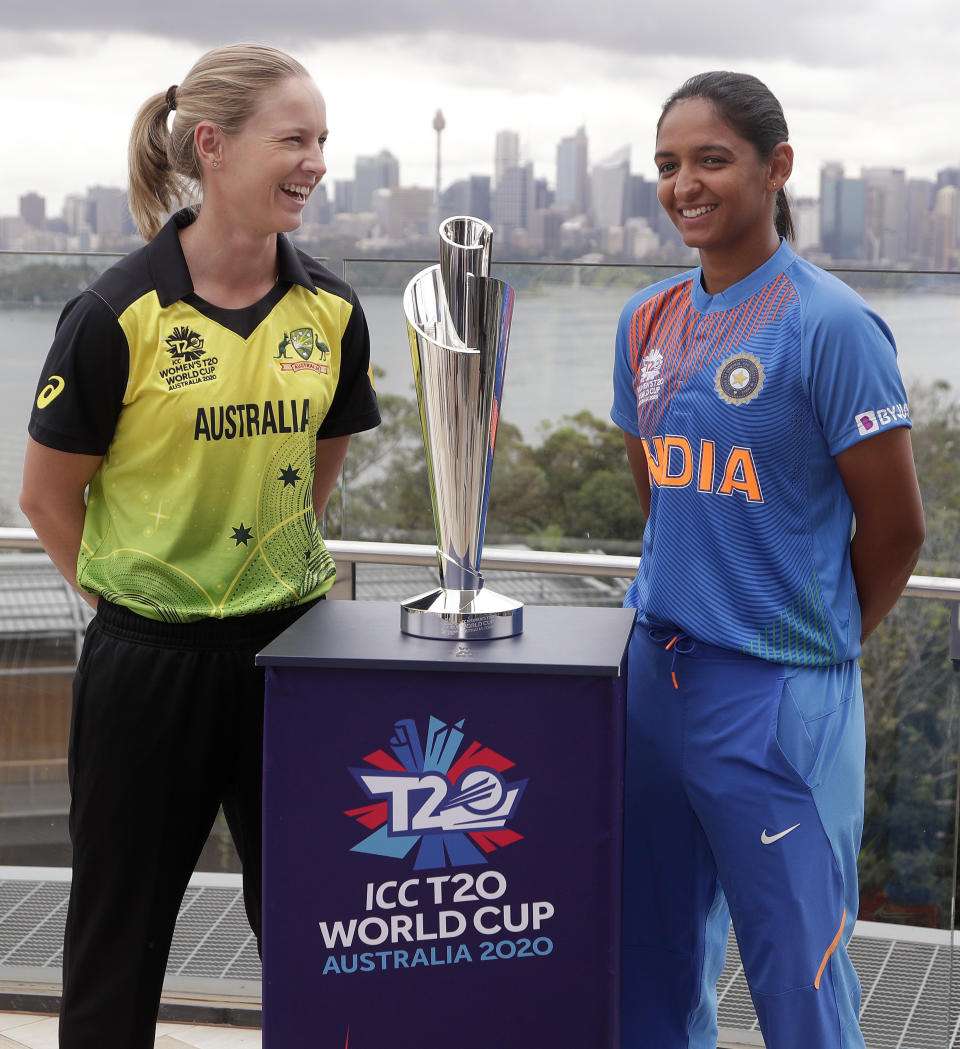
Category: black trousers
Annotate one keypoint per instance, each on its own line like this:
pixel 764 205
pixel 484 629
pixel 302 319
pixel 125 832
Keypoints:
pixel 167 726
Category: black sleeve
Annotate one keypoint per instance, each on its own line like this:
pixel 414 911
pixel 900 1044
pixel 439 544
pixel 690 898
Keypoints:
pixel 354 406
pixel 81 387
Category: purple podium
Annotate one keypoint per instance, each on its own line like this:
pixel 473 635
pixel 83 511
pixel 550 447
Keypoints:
pixel 442 833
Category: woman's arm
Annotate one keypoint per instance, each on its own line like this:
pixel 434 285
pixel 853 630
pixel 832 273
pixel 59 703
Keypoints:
pixel 881 481
pixel 637 458
pixel 331 452
pixel 53 499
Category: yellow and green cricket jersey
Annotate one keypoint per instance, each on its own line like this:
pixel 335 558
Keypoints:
pixel 207 420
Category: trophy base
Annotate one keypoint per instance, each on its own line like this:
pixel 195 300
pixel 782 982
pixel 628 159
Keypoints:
pixel 461 615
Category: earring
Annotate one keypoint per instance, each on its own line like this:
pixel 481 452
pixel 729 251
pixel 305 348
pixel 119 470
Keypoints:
pixel 216 163
pixel 773 185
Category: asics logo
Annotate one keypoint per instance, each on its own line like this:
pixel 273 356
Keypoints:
pixel 769 839
pixel 54 388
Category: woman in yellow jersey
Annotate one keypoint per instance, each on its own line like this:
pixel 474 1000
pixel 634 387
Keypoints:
pixel 190 422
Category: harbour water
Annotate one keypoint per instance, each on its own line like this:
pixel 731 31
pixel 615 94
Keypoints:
pixel 560 359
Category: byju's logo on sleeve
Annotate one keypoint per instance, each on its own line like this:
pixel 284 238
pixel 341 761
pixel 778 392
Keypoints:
pixel 874 420
pixel 446 805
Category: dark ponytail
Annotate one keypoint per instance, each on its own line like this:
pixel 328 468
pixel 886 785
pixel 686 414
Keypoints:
pixel 754 113
pixel 783 218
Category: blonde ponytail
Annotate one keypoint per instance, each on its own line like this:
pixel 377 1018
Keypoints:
pixel 156 188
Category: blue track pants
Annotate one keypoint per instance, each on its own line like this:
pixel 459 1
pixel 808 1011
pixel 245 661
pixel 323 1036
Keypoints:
pixel 745 798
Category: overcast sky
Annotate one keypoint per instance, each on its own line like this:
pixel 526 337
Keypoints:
pixel 868 82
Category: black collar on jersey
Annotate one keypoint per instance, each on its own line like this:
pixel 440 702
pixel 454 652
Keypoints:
pixel 168 267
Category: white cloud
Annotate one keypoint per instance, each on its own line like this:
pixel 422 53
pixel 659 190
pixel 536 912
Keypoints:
pixel 866 84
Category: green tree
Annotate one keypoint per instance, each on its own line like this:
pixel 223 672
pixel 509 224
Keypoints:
pixel 936 449
pixel 385 494
pixel 519 489
pixel 575 488
pixel 592 492
pixel 48 282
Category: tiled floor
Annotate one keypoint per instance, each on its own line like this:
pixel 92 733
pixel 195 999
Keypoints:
pixel 28 1031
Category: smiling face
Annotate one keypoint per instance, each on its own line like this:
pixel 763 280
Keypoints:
pixel 717 189
pixel 267 170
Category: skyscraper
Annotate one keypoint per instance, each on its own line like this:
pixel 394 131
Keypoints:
pixel 373 173
pixel 513 199
pixel 572 187
pixel 468 196
pixel 506 155
pixel 110 211
pixel 403 211
pixel 920 193
pixel 480 205
pixel 642 201
pixel 610 190
pixel 806 220
pixel 886 214
pixel 344 196
pixel 33 209
pixel 317 211
pixel 843 213
pixel 831 176
pixel 78 214
pixel 945 222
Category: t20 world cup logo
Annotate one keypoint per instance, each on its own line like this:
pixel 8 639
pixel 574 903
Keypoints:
pixel 448 803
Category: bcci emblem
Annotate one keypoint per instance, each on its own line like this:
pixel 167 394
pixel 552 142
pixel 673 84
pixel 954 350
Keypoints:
pixel 450 805
pixel 739 379
pixel 185 345
pixel 303 342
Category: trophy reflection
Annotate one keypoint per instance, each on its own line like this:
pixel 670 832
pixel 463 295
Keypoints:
pixel 458 321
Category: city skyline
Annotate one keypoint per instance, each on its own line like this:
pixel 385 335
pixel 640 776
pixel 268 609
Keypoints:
pixel 870 84
pixel 575 147
pixel 384 157
pixel 880 215
pixel 381 168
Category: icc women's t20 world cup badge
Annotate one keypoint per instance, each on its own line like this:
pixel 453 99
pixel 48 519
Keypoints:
pixel 458 320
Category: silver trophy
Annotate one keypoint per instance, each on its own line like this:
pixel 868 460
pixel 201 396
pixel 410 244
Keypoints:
pixel 458 320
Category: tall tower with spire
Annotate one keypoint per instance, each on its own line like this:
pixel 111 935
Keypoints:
pixel 438 125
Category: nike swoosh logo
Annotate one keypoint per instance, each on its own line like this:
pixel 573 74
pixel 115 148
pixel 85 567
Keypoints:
pixel 769 839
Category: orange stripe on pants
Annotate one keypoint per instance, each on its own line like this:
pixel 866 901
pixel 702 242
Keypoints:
pixel 833 946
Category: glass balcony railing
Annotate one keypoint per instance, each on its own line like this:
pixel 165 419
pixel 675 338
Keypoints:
pixel 563 521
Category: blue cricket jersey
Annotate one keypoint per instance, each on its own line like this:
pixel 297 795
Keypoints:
pixel 742 400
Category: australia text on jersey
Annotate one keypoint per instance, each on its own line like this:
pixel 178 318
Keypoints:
pixel 229 421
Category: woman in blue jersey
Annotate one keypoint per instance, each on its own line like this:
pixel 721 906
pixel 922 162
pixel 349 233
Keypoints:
pixel 764 419
pixel 190 422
